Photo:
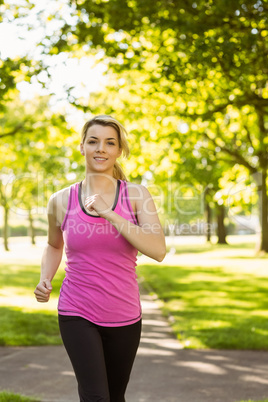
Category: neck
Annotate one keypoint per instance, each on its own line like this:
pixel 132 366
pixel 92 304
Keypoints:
pixel 98 183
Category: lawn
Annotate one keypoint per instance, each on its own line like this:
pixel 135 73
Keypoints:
pixel 215 297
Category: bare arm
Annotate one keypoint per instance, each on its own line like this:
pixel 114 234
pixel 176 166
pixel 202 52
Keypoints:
pixel 148 237
pixel 51 257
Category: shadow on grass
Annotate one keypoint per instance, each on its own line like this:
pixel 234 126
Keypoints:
pixel 212 308
pixel 233 333
pixel 20 328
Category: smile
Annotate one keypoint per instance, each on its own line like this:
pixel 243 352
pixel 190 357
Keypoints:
pixel 100 159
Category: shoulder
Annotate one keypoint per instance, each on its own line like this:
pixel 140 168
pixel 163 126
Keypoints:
pixel 137 194
pixel 137 189
pixel 60 198
pixel 58 204
pixel 145 207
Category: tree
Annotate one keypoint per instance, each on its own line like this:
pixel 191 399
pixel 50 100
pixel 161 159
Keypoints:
pixel 202 168
pixel 40 151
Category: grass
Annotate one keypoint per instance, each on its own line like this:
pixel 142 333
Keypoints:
pixel 263 400
pixel 10 397
pixel 214 299
pixel 37 323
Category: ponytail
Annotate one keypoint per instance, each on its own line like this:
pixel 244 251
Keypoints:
pixel 118 172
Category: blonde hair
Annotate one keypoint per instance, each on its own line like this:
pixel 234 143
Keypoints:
pixel 105 120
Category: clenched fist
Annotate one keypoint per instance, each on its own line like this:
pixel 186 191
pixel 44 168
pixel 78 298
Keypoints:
pixel 43 290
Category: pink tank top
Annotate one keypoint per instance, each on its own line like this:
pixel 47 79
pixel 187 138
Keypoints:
pixel 100 284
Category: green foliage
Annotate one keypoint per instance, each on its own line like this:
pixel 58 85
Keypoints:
pixel 188 44
pixel 6 396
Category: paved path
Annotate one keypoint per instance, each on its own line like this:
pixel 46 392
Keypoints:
pixel 163 372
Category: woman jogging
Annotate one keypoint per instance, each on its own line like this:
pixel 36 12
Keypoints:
pixel 103 222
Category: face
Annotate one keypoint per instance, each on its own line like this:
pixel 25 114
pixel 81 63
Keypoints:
pixel 101 148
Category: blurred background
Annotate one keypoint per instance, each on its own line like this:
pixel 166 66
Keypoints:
pixel 189 81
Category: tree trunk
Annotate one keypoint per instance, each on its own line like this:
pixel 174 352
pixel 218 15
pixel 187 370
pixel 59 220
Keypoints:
pixel 208 216
pixel 221 231
pixel 263 212
pixel 5 231
pixel 31 227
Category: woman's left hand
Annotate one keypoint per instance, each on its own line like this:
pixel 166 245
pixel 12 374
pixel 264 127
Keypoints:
pixel 96 203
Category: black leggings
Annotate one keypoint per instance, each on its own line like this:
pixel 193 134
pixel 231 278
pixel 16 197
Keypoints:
pixel 102 357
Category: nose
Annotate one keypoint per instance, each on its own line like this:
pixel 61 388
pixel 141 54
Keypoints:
pixel 101 146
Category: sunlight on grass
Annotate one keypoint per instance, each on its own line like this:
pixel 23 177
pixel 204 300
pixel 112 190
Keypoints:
pixel 20 281
pixel 23 320
pixel 26 303
pixel 213 306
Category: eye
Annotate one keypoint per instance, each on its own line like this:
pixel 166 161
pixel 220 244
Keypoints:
pixel 111 143
pixel 91 142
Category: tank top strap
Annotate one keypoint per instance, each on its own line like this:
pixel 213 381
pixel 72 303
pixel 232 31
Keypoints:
pixel 74 196
pixel 125 202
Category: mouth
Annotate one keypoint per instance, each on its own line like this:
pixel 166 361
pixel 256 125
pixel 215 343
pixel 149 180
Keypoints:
pixel 100 159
